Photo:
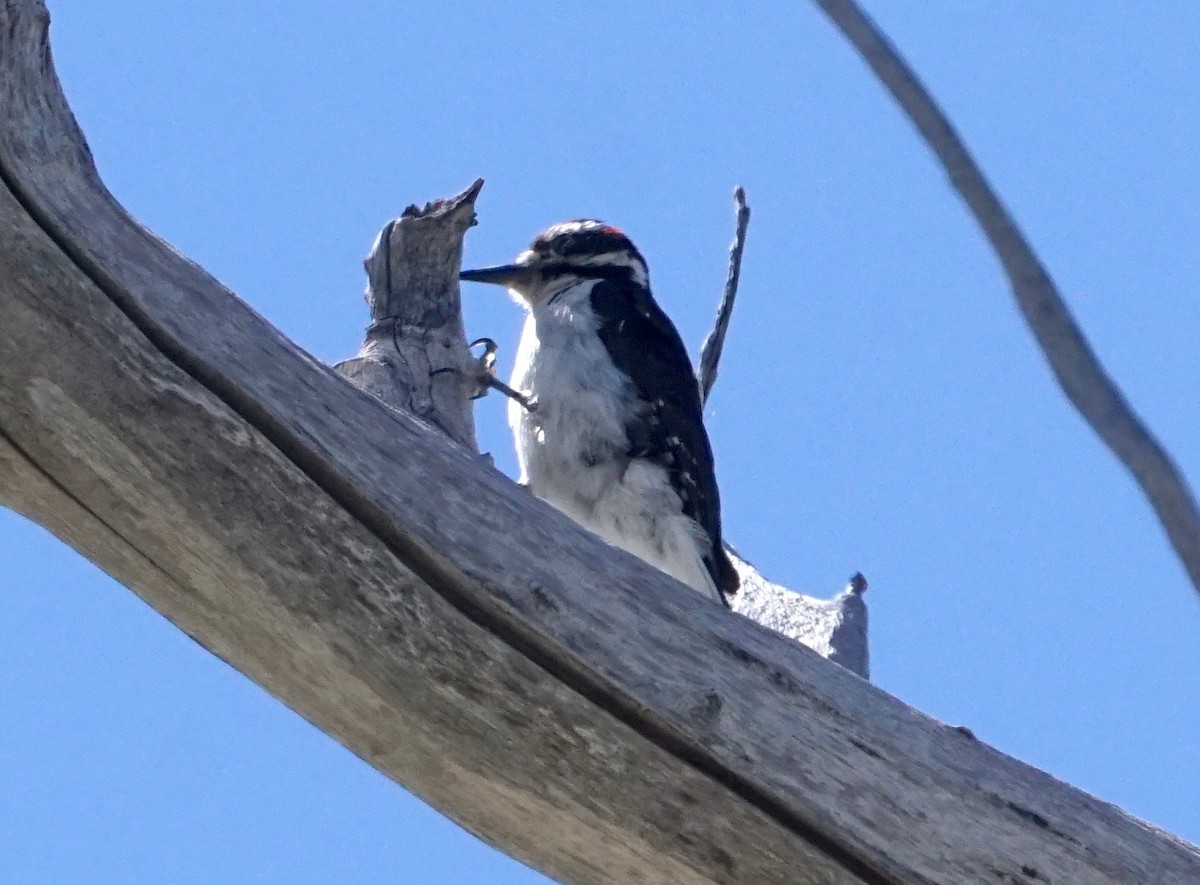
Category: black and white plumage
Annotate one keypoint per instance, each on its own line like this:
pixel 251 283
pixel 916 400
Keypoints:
pixel 615 437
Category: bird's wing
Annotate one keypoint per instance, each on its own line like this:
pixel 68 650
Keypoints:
pixel 645 345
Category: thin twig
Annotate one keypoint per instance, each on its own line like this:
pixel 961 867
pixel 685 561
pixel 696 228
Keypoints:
pixel 710 354
pixel 525 399
pixel 1078 371
pixel 485 375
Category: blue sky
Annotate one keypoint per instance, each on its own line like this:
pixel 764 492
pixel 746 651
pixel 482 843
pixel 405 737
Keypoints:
pixel 880 407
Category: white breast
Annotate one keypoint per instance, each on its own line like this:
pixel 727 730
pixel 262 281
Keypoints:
pixel 572 448
pixel 568 445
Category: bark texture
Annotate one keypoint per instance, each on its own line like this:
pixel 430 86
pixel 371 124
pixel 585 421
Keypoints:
pixel 415 353
pixel 559 698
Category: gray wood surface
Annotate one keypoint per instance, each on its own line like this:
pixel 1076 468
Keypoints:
pixel 835 629
pixel 415 356
pixel 126 457
pixel 559 698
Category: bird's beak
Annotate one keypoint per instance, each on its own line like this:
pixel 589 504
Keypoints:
pixel 501 275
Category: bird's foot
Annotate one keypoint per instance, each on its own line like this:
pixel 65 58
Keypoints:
pixel 485 366
pixel 483 375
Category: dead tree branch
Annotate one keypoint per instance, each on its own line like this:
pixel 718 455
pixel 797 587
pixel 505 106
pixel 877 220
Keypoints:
pixel 558 697
pixel 710 353
pixel 1075 366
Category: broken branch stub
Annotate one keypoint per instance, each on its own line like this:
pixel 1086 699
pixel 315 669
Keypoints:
pixel 415 354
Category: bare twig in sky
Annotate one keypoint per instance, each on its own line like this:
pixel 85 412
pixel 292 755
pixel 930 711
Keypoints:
pixel 1078 371
pixel 710 354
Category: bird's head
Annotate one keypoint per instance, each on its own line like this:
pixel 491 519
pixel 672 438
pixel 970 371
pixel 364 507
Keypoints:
pixel 564 255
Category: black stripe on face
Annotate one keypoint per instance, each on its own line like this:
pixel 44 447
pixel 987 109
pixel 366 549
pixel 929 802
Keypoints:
pixel 620 273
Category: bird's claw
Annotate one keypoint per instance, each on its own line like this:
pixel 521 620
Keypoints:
pixel 484 376
pixel 485 366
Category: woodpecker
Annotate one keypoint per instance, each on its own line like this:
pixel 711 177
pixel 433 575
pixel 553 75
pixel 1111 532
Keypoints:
pixel 610 429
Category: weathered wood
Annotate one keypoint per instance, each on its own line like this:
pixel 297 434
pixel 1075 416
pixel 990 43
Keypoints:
pixel 556 696
pixel 835 629
pixel 415 353
pixel 126 457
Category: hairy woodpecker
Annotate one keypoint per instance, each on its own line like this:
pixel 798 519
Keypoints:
pixel 612 432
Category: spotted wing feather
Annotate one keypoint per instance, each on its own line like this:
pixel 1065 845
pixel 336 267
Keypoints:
pixel 645 345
